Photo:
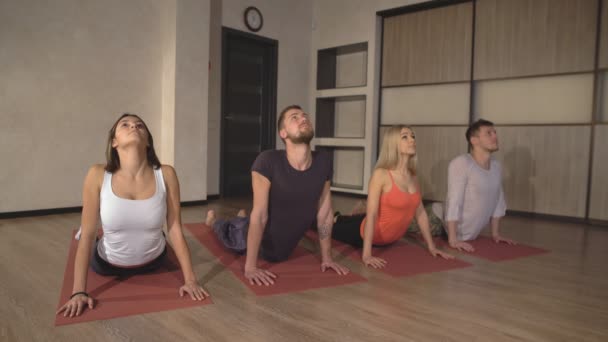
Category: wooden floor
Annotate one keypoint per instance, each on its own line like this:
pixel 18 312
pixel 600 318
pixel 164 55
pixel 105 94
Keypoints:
pixel 561 296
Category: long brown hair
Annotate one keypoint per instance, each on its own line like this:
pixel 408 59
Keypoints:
pixel 112 159
pixel 389 153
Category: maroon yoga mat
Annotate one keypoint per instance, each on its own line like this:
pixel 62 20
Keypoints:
pixel 114 297
pixel 302 271
pixel 486 248
pixel 402 259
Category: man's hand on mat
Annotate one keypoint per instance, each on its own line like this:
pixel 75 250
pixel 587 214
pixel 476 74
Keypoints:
pixel 76 305
pixel 373 261
pixel 195 291
pixel 259 276
pixel 341 270
pixel 499 239
pixel 435 252
pixel 462 246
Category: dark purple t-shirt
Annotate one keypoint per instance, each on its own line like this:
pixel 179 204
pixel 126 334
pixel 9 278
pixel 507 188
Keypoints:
pixel 293 201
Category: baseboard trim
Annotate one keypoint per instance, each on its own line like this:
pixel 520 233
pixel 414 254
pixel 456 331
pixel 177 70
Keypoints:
pixel 41 212
pixel 71 210
pixel 551 217
pixel 596 222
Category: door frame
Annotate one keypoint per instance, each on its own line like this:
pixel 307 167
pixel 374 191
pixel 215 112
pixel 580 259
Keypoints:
pixel 270 78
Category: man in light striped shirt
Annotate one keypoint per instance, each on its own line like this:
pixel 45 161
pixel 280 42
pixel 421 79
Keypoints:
pixel 475 195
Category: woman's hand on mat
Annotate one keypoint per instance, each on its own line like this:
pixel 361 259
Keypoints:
pixel 499 239
pixel 195 291
pixel 435 252
pixel 76 305
pixel 341 270
pixel 258 276
pixel 373 261
pixel 462 246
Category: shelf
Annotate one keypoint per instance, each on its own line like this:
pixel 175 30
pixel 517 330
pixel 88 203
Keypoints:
pixel 339 142
pixel 348 166
pixel 342 66
pixel 347 190
pixel 341 114
pixel 339 92
pixel 340 117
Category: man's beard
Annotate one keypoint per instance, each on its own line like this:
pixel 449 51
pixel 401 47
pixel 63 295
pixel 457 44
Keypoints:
pixel 304 138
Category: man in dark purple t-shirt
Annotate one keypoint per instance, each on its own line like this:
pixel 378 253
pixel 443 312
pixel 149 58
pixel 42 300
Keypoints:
pixel 293 199
pixel 291 191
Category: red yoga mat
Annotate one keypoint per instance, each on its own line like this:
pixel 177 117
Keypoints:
pixel 301 272
pixel 403 259
pixel 115 297
pixel 486 248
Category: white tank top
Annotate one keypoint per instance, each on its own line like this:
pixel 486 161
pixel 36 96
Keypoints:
pixel 132 229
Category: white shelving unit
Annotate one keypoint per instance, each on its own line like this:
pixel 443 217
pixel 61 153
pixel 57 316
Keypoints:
pixel 343 114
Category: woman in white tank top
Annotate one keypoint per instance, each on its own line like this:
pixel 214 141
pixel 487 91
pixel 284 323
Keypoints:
pixel 133 195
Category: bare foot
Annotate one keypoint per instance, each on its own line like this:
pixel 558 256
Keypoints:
pixel 210 220
pixel 242 213
pixel 359 208
pixel 438 209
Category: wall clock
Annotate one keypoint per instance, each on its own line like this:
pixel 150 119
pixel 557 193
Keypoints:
pixel 253 19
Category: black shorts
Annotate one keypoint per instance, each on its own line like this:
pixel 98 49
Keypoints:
pixel 104 268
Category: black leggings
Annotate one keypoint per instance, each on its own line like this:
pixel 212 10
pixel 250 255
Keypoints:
pixel 104 268
pixel 347 229
pixel 232 233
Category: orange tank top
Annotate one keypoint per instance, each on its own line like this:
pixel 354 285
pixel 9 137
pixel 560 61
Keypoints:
pixel 395 213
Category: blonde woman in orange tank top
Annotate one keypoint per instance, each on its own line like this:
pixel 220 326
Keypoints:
pixel 393 201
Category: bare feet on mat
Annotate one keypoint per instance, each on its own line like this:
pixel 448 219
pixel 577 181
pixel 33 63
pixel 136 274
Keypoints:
pixel 210 220
pixel 242 213
pixel 359 208
pixel 437 208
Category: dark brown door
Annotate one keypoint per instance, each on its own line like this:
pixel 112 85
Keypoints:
pixel 249 78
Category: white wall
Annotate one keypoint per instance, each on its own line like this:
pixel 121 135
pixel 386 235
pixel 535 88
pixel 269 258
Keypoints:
pixel 341 22
pixel 191 93
pixel 69 68
pixel 168 50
